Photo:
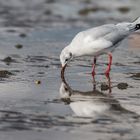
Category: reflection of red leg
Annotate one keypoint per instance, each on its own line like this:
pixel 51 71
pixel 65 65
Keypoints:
pixel 109 65
pixel 94 84
pixel 109 83
pixel 93 67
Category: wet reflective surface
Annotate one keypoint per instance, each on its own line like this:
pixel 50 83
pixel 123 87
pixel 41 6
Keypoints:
pixel 75 105
pixel 36 103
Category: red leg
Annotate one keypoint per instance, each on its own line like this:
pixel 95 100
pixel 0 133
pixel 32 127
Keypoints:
pixel 109 65
pixel 93 67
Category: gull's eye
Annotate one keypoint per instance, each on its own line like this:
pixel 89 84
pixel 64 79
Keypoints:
pixel 70 54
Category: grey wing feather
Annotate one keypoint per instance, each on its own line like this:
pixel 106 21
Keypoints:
pixel 100 31
pixel 117 36
pixel 94 33
pixel 99 38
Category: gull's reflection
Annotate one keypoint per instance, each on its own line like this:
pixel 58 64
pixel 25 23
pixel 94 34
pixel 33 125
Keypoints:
pixel 89 103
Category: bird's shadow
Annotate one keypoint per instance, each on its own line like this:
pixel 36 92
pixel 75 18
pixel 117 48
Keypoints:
pixel 91 103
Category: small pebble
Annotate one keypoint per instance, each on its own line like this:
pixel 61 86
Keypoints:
pixel 124 9
pixel 5 74
pixel 104 86
pixel 122 86
pixel 86 11
pixel 18 46
pixel 22 35
pixel 136 75
pixel 38 82
pixel 8 59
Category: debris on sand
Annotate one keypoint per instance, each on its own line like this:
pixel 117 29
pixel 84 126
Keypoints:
pixel 123 9
pixel 5 74
pixel 86 11
pixel 47 12
pixel 11 30
pixel 122 86
pixel 23 35
pixel 136 76
pixel 8 59
pixel 87 1
pixel 19 46
pixel 104 86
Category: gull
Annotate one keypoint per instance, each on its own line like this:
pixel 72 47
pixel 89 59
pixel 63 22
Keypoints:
pixel 97 41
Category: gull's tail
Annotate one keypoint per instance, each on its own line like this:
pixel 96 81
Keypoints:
pixel 133 26
pixel 136 24
pixel 136 21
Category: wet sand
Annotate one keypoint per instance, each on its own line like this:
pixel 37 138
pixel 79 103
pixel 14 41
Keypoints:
pixel 36 103
pixel 105 109
pixel 59 135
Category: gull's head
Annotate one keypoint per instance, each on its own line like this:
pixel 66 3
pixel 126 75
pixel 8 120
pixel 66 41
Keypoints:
pixel 65 57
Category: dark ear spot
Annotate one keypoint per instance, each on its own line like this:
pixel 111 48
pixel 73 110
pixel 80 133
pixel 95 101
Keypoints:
pixel 70 54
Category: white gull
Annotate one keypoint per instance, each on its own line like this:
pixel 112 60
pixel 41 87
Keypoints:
pixel 97 41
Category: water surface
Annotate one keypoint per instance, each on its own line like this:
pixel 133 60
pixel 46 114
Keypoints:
pixel 36 103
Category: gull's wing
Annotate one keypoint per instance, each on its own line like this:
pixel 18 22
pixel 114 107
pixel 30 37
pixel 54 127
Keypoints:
pixel 110 32
pixel 96 40
pixel 89 36
pixel 107 35
pixel 118 35
pixel 100 31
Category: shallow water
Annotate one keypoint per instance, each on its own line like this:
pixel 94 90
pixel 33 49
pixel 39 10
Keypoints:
pixel 34 99
pixel 108 107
